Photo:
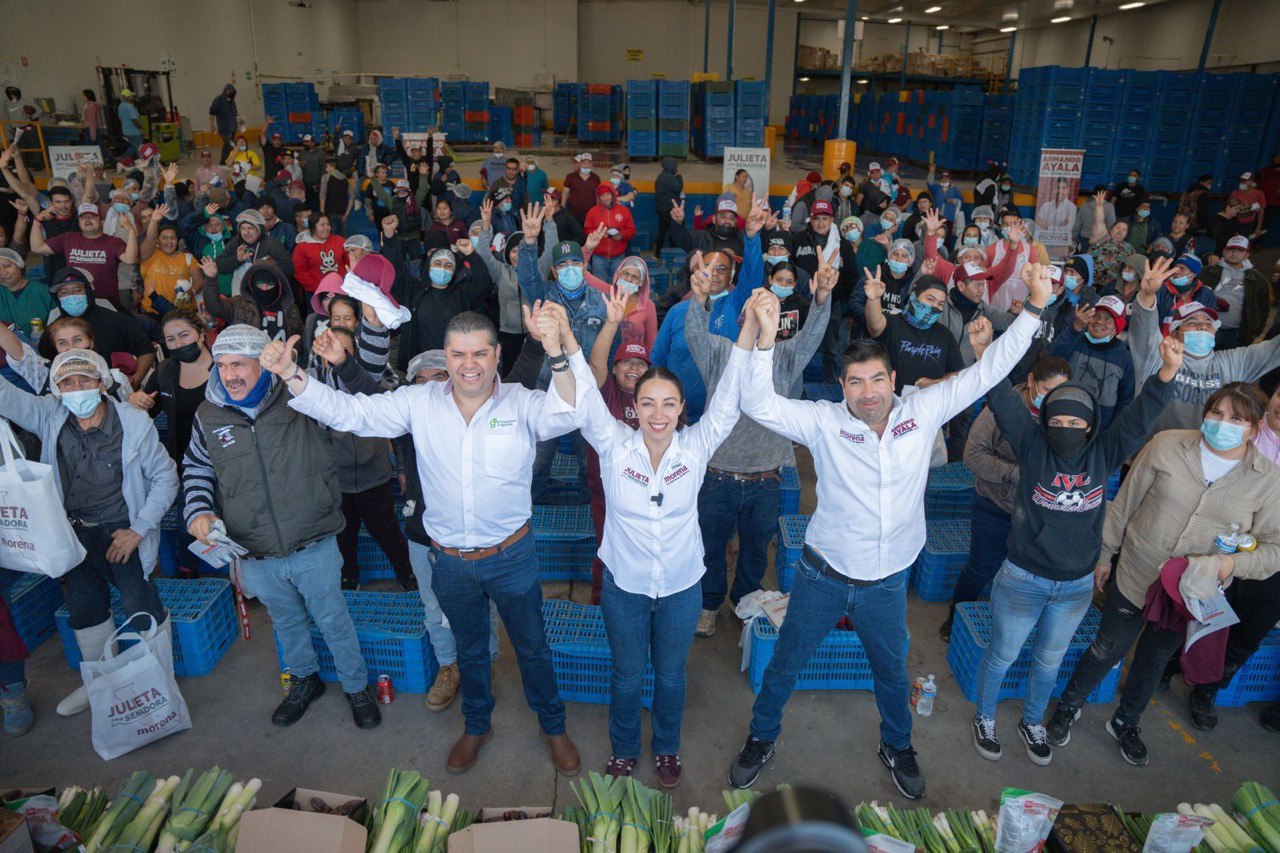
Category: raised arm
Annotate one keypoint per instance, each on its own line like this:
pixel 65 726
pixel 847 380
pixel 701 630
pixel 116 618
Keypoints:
pixel 794 419
pixel 873 288
pixel 533 286
pixel 615 304
pixel 1130 429
pixel 1098 231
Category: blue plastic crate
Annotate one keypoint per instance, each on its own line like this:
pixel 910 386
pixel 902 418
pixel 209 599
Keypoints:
pixel 565 467
pixel 171 547
pixel 374 564
pixel 203 612
pixel 823 391
pixel 580 653
pixel 565 540
pixel 945 553
pixel 949 492
pixel 35 598
pixel 971 634
pixel 393 640
pixel 840 663
pixel 1259 679
pixel 791 530
pixel 789 491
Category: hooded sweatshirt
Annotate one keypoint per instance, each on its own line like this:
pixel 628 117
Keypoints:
pixel 640 326
pixel 669 186
pixel 1060 504
pixel 271 309
pixel 314 258
pixel 615 216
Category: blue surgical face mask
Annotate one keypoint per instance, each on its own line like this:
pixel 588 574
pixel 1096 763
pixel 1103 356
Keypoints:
pixel 1091 339
pixel 970 242
pixel 1128 275
pixel 920 315
pixel 984 226
pixel 774 260
pixel 627 288
pixel 1132 180
pixel 120 207
pixel 74 305
pixel 505 206
pixel 1221 435
pixel 782 292
pixel 1053 297
pixel 81 403
pixel 440 276
pixel 570 279
pixel 1181 281
pixel 1143 214
pixel 1038 401
pixel 853 235
pixel 1198 343
pixel 897 267
pixel 888 225
pixel 133 196
pixel 1071 282
pixel 721 295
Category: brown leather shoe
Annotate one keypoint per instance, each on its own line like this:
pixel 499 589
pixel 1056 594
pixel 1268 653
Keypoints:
pixel 564 755
pixel 445 688
pixel 466 751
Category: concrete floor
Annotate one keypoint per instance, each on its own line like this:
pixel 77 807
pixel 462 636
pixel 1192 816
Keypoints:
pixel 829 738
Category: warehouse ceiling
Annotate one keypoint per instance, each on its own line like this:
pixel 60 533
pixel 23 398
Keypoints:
pixel 968 15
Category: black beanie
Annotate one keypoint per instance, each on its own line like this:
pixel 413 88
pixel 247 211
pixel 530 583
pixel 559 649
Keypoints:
pixel 1070 401
pixel 928 282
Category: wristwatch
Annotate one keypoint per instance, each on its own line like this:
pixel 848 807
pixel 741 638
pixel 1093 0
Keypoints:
pixel 560 362
pixel 1032 310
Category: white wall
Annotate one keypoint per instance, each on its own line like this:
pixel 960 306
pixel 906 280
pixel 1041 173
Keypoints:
pixel 64 40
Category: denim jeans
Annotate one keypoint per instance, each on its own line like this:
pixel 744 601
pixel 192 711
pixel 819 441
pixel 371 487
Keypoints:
pixel 509 579
pixel 1021 602
pixel 545 455
pixel 879 613
pixel 88 585
pixel 438 630
pixel 603 268
pixel 11 671
pixel 135 142
pixel 1122 623
pixel 987 548
pixel 306 584
pixel 750 508
pixel 641 629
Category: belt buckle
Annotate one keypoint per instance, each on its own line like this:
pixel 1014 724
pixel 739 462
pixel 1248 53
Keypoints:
pixel 462 551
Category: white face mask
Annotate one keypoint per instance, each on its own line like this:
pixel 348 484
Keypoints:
pixel 530 167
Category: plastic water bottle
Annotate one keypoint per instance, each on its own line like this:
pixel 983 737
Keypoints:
pixel 1229 542
pixel 924 706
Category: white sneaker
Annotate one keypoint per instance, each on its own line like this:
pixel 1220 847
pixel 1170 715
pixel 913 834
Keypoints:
pixel 706 624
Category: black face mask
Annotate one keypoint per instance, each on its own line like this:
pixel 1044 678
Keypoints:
pixel 725 230
pixel 1067 441
pixel 186 354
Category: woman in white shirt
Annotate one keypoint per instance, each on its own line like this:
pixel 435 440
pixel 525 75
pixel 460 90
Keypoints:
pixel 652 545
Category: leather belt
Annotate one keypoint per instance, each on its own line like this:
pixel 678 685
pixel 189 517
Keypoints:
pixel 750 477
pixel 484 553
pixel 824 567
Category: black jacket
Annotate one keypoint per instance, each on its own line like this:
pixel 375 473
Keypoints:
pixel 668 186
pixel 433 307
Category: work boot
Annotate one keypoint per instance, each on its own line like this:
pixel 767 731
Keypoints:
pixel 706 624
pixel 564 755
pixel 92 642
pixel 364 709
pixel 445 688
pixel 466 752
pixel 18 714
pixel 303 690
pixel 1203 715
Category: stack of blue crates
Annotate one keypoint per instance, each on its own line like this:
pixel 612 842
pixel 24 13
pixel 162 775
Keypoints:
pixel 394 99
pixel 1271 136
pixel 1048 113
pixel 580 653
pixel 303 110
pixel 1172 131
pixel 1246 126
pixel 1133 131
pixel 751 112
pixel 1103 100
pixel 564 114
pixel 599 113
pixel 501 125
pixel 673 118
pixel 422 94
pixel 950 125
pixel 348 118
pixel 275 105
pixel 453 100
pixel 1209 124
pixel 997 124
pixel 642 118
pixel 712 122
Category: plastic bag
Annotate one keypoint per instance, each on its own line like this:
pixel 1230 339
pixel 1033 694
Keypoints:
pixel 41 813
pixel 1025 821
pixel 1175 833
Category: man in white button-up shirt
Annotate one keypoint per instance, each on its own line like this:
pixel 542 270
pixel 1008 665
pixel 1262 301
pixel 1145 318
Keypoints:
pixel 871 452
pixel 475 439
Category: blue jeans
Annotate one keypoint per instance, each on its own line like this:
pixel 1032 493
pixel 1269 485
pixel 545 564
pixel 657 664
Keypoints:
pixel 879 613
pixel 135 142
pixel 542 459
pixel 510 579
pixel 603 268
pixel 641 629
pixel 88 585
pixel 987 547
pixel 307 584
pixel 446 651
pixel 11 671
pixel 1021 602
pixel 750 508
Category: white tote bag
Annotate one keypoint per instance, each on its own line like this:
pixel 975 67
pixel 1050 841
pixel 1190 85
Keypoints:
pixel 35 535
pixel 133 696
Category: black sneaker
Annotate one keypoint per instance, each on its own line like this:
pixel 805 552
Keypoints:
pixel 1036 740
pixel 984 739
pixel 1270 718
pixel 1058 731
pixel 302 692
pixel 906 774
pixel 349 585
pixel 746 768
pixel 944 630
pixel 364 709
pixel 1203 715
pixel 1132 748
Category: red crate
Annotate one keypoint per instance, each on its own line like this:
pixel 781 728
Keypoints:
pixel 476 116
pixel 599 89
pixel 299 118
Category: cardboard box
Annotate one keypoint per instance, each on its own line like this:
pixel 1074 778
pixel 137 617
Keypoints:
pixel 539 834
pixel 282 829
pixel 15 836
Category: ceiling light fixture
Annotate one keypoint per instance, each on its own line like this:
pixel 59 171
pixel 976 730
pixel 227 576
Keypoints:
pixel 805 79
pixel 864 81
pixel 1007 29
pixel 894 21
pixel 1127 6
pixel 942 27
pixel 932 9
pixel 1061 20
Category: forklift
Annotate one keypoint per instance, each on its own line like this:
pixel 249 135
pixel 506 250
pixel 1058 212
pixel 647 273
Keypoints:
pixel 161 124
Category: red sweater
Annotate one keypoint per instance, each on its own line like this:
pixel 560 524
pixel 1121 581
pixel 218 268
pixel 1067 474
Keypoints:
pixel 611 217
pixel 313 259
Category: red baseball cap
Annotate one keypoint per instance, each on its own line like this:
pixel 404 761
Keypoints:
pixel 1114 306
pixel 639 351
pixel 820 207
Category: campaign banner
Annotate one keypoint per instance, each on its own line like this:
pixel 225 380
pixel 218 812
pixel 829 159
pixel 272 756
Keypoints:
pixel 63 158
pixel 1056 194
pixel 419 140
pixel 756 162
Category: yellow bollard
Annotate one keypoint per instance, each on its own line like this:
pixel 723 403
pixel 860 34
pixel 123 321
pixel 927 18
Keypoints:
pixel 835 152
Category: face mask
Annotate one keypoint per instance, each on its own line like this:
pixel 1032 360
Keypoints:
pixel 306 221
pixel 774 260
pixel 1244 187
pixel 1198 344
pixel 853 235
pixel 920 315
pixel 1143 214
pixel 721 295
pixel 898 267
pixel 74 305
pixel 1038 401
pixel 615 181
pixel 506 207
pixel 1132 180
pixel 1053 297
pixel 440 276
pixel 242 147
pixel 1219 435
pixel 187 353
pixel 530 167
pixel 1072 282
pixel 726 230
pixel 846 191
pixel 780 291
pixel 984 227
pixel 133 196
pixel 1004 188
pixel 1128 275
pixel 1097 341
pixel 584 172
pixel 1182 282
pixel 627 288
pixel 1066 441
pixel 81 403
pixel 570 278
pixel 887 225
pixel 970 242
pixel 120 207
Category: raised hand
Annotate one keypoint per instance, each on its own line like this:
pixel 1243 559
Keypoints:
pixel 928 266
pixel 615 305
pixel 327 346
pixel 1041 285
pixel 170 174
pixel 389 225
pixel 20 205
pixel 873 285
pixel 531 222
pixel 210 209
pixel 244 252
pixel 697 210
pixel 486 212
pixel 772 222
pixel 1170 357
pixel 161 211
pixel 464 246
pixel 757 217
pixel 278 357
pixel 209 267
pixel 1100 198
pixel 826 277
pixel 979 333
pixel 767 311
pixel 677 211
pixel 594 238
pixel 700 283
pixel 1155 275
pixel 550 208
pixel 1084 313
pixel 933 222
pixel 1015 232
pixel 883 239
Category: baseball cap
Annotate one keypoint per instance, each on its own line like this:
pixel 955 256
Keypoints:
pixel 726 202
pixel 284 175
pixel 71 275
pixel 77 362
pixel 348 132
pixel 402 184
pixel 1114 306
pixel 874 167
pixel 584 156
pixel 633 350
pixel 148 151
pixel 306 137
pixel 87 207
pixel 275 134
pixel 1246 176
pixel 12 257
pixel 1187 310
pixel 1238 242
pixel 126 93
pixel 566 250
pixel 821 207
pixel 1055 273
pixel 970 271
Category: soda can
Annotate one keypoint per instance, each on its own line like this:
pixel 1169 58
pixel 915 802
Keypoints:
pixel 1245 542
pixel 385 692
pixel 916 687
pixel 37 327
pixel 286 680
